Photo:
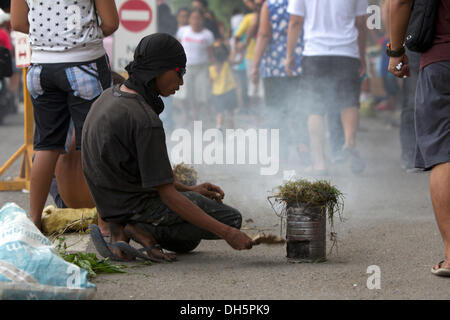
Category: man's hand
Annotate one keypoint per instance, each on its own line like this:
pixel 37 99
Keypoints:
pixel 210 190
pixel 399 66
pixel 238 240
pixel 362 67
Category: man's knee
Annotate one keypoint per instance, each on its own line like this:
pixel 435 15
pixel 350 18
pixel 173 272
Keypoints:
pixel 221 212
pixel 235 218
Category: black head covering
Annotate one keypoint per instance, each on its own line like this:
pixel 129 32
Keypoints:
pixel 154 55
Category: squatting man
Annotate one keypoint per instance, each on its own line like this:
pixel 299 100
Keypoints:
pixel 127 167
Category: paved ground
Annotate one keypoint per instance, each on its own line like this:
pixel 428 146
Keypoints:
pixel 389 223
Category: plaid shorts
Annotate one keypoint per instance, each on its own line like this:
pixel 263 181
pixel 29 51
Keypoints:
pixel 62 92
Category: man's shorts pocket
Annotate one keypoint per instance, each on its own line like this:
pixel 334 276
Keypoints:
pixel 34 81
pixel 84 81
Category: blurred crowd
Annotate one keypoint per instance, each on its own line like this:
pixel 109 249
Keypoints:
pixel 236 76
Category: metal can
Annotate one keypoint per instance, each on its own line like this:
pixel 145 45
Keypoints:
pixel 306 233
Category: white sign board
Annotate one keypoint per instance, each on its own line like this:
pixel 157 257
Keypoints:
pixel 22 49
pixel 137 20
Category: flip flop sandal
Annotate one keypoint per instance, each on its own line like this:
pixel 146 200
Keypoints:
pixel 442 272
pixel 158 247
pixel 140 253
pixel 102 247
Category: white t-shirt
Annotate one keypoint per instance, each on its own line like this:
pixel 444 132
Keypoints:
pixel 64 31
pixel 195 44
pixel 329 27
pixel 235 21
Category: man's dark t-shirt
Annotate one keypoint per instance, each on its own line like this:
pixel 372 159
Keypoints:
pixel 124 154
pixel 440 51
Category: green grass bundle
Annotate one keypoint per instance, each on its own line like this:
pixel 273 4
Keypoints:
pixel 317 194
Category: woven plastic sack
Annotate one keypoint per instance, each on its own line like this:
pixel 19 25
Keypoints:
pixel 30 267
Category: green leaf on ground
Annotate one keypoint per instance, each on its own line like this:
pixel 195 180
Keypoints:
pixel 88 261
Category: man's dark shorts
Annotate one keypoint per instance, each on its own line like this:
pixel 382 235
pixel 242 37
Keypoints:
pixel 331 83
pixel 64 91
pixel 433 115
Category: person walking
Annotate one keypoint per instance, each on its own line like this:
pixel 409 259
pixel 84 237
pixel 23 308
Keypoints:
pixel 224 94
pixel 432 111
pixel 245 40
pixel 183 17
pixel 210 22
pixel 333 64
pixel 280 88
pixel 69 70
pixel 197 42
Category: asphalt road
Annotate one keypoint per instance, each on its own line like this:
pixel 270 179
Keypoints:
pixel 389 224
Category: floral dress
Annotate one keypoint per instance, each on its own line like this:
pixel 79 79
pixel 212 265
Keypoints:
pixel 274 60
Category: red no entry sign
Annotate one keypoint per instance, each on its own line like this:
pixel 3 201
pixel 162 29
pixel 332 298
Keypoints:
pixel 135 15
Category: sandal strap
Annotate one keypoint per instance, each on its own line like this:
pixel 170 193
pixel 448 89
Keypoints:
pixel 153 246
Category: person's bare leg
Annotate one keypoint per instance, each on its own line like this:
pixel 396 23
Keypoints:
pixel 350 122
pixel 219 121
pixel 146 240
pixel 72 185
pixel 41 178
pixel 230 119
pixel 316 128
pixel 71 182
pixel 440 197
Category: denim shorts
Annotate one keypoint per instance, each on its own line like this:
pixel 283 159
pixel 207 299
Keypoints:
pixel 61 92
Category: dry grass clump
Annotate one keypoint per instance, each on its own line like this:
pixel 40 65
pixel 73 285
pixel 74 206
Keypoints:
pixel 319 193
pixel 269 239
pixel 185 174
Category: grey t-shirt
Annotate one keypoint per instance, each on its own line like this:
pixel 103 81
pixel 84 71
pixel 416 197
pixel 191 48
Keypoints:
pixel 124 154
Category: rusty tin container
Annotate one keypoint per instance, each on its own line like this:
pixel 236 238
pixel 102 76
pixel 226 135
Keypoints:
pixel 305 233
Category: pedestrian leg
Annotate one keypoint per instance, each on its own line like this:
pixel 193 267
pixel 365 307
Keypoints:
pixel 440 197
pixel 316 127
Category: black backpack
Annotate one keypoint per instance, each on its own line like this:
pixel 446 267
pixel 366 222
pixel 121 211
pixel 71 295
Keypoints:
pixel 422 24
pixel 5 4
pixel 5 63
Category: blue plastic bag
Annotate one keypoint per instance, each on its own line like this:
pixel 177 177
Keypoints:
pixel 30 267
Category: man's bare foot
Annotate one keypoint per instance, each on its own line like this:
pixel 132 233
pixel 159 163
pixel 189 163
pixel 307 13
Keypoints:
pixel 104 228
pixel 146 240
pixel 117 232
